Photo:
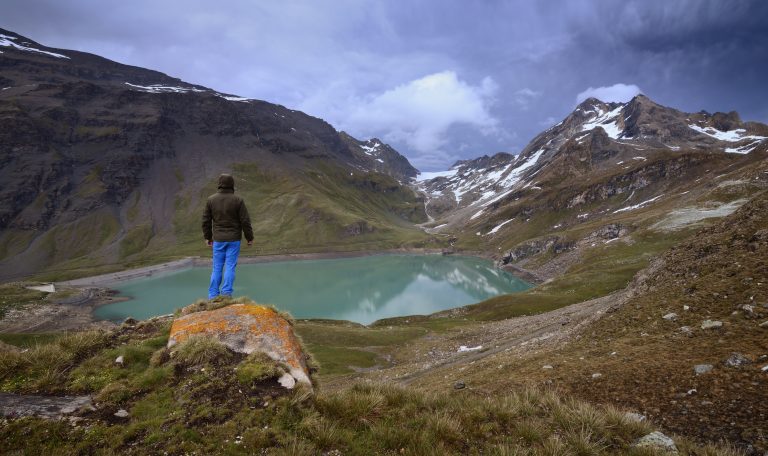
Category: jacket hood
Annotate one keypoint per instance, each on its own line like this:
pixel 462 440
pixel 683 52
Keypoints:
pixel 227 181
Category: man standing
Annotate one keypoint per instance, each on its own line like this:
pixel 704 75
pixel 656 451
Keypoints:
pixel 225 220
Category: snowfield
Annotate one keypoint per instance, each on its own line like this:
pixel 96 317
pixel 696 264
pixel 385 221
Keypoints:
pixel 9 41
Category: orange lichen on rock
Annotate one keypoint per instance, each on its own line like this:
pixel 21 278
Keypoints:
pixel 246 328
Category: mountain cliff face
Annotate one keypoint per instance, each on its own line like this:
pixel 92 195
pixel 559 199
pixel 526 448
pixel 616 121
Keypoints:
pixel 637 165
pixel 109 164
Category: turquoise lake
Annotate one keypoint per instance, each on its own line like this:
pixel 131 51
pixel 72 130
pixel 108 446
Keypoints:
pixel 362 289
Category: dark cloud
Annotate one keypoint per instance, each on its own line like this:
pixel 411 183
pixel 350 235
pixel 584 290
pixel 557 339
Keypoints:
pixel 500 69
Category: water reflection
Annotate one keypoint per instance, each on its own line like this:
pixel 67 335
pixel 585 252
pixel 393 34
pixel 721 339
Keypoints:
pixel 358 289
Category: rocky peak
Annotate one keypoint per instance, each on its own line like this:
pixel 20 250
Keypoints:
pixel 375 155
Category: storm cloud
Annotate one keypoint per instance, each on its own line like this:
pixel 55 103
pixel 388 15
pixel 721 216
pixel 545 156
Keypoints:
pixel 439 79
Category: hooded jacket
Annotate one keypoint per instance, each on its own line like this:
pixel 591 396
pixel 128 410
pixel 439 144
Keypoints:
pixel 226 218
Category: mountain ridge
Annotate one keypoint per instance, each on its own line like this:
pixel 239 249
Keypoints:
pixel 106 164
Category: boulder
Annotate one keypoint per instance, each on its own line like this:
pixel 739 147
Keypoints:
pixel 247 328
pixel 634 417
pixel 737 360
pixel 657 440
pixel 709 324
pixel 670 316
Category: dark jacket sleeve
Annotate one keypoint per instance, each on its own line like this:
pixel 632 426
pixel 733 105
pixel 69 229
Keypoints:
pixel 207 222
pixel 245 222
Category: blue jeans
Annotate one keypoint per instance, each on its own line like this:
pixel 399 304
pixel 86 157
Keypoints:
pixel 224 258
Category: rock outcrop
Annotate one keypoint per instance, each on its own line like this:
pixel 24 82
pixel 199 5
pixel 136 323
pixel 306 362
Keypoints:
pixel 247 328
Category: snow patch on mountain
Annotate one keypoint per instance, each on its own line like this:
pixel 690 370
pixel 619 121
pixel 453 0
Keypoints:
pixel 735 135
pixel 9 41
pixel 730 136
pixel 370 150
pixel 157 88
pixel 743 149
pixel 498 227
pixel 232 98
pixel 608 121
pixel 638 205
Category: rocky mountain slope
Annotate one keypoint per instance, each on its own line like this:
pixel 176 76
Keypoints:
pixel 105 164
pixel 606 171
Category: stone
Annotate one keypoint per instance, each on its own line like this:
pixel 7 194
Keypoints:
pixel 130 321
pixel 120 361
pixel 687 330
pixel 51 407
pixel 710 324
pixel 657 440
pixel 287 381
pixel 749 310
pixel 670 316
pixel 459 385
pixel 764 324
pixel 686 308
pixel 635 417
pixel 764 368
pixel 547 366
pixel 246 328
pixel 122 413
pixel 701 369
pixel 737 360
pixel 597 375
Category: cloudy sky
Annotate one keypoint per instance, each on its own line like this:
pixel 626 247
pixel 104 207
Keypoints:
pixel 440 80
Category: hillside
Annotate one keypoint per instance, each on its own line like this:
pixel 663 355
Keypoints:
pixel 638 348
pixel 107 166
pixel 123 391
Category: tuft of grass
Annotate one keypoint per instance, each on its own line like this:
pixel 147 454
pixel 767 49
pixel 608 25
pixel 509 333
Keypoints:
pixel 258 367
pixel 201 350
pixel 44 366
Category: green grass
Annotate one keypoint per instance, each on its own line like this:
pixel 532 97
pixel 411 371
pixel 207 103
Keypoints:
pixel 601 271
pixel 24 340
pixel 335 360
pixel 135 240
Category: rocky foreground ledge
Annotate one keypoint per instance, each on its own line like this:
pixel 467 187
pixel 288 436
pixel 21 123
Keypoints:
pixel 246 328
